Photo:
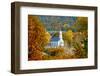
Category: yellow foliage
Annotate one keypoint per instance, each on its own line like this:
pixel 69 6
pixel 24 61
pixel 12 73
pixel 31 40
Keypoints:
pixel 68 36
pixel 47 37
pixel 59 49
pixel 81 24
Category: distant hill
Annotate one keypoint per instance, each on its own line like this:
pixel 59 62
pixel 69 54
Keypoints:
pixel 57 22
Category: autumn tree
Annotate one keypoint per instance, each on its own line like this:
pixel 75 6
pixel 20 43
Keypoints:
pixel 81 24
pixel 68 37
pixel 38 37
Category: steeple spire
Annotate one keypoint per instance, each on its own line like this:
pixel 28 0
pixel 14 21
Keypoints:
pixel 60 35
pixel 61 42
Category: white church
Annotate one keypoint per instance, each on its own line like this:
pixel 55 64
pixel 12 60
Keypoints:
pixel 56 41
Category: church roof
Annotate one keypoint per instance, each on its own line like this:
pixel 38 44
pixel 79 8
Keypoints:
pixel 55 39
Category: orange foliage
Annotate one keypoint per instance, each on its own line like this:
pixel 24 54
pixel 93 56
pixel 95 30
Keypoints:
pixel 37 37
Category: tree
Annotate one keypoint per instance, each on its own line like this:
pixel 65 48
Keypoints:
pixel 81 24
pixel 38 37
pixel 47 37
pixel 68 37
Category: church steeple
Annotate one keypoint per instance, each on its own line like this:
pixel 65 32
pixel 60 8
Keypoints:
pixel 61 42
pixel 60 35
